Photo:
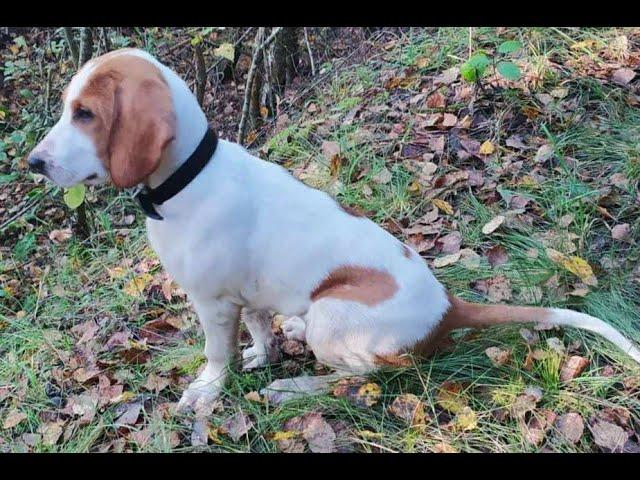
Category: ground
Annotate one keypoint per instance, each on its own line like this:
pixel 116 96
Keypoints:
pixel 521 192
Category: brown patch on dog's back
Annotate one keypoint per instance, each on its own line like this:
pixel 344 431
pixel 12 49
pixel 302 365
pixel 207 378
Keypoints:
pixel 357 284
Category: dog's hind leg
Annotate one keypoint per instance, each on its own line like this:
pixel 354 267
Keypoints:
pixel 263 351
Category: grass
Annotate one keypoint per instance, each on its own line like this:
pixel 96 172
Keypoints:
pixel 69 283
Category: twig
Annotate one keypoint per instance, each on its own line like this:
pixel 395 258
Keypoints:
pixel 257 58
pixel 201 74
pixel 313 65
pixel 25 209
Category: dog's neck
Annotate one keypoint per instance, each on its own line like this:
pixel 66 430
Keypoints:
pixel 191 123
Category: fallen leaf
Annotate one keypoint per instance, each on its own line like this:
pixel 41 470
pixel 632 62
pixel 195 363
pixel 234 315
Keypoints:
pixel 357 391
pixel 13 418
pixel 443 447
pixel 544 153
pixel 318 433
pixel 289 441
pixel 136 286
pixel 498 356
pixel 620 232
pixel 253 396
pixel 409 408
pixel 237 426
pixel 450 120
pixel 555 344
pixel 436 100
pixel 531 337
pixel 623 76
pixel 445 260
pixel 497 255
pixel 129 415
pixel 493 224
pixel 469 259
pixel 383 176
pixel 535 430
pixel 498 289
pixel 443 205
pixel 450 396
pixel 466 419
pixel 575 265
pixel 51 432
pixel 450 243
pixel 608 435
pixel 156 383
pixel 59 236
pixel 486 148
pixel 573 367
pixel 571 426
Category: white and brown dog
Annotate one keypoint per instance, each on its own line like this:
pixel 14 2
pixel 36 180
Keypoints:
pixel 244 234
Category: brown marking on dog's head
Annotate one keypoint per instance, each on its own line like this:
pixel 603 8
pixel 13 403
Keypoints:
pixel 358 284
pixel 126 109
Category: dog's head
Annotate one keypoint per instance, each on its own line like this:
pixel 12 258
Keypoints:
pixel 117 119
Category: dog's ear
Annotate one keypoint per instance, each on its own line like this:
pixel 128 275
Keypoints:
pixel 143 125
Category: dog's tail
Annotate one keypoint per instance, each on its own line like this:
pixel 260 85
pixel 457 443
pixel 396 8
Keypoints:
pixel 475 315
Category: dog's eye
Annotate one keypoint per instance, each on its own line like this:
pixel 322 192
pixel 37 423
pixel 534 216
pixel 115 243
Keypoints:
pixel 82 114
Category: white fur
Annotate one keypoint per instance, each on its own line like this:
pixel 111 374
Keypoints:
pixel 245 233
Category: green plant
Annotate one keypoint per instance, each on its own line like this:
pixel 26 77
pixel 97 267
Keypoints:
pixel 476 66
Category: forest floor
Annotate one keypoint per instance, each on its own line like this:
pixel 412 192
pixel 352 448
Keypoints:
pixel 522 192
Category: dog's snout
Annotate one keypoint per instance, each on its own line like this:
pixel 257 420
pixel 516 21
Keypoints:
pixel 36 164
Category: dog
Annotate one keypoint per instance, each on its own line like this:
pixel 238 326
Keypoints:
pixel 243 237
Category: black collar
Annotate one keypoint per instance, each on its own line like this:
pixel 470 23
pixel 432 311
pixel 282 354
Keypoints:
pixel 148 197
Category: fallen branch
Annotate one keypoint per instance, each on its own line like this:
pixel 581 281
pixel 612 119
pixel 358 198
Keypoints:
pixel 73 45
pixel 306 41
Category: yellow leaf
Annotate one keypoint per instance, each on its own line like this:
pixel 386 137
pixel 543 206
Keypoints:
pixel 225 50
pixel 487 148
pixel 443 205
pixel 136 286
pixel 584 44
pixel 116 272
pixel 2 114
pixel 284 435
pixel 264 112
pixel 466 419
pixel 414 187
pixel 369 434
pixel 450 397
pixel 422 62
pixel 576 265
pixel 214 435
pixel 123 397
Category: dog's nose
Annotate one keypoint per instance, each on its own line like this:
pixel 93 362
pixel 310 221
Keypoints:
pixel 36 164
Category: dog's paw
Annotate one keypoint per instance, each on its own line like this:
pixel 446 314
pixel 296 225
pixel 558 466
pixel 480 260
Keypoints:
pixel 200 398
pixel 294 328
pixel 253 357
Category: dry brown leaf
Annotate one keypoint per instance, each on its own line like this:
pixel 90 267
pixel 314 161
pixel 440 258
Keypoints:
pixel 571 426
pixel 623 76
pixel 237 426
pixel 383 176
pixel 436 100
pixel 609 436
pixel 497 255
pixel 293 347
pixel 621 232
pixel 493 224
pixel 573 367
pixel 13 418
pixel 498 356
pixel 450 243
pixel 445 260
pixel 60 236
pixel 318 433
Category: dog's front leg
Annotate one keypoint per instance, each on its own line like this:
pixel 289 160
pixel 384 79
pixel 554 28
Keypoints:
pixel 219 319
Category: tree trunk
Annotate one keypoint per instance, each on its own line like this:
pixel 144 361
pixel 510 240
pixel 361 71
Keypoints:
pixel 73 45
pixel 86 46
